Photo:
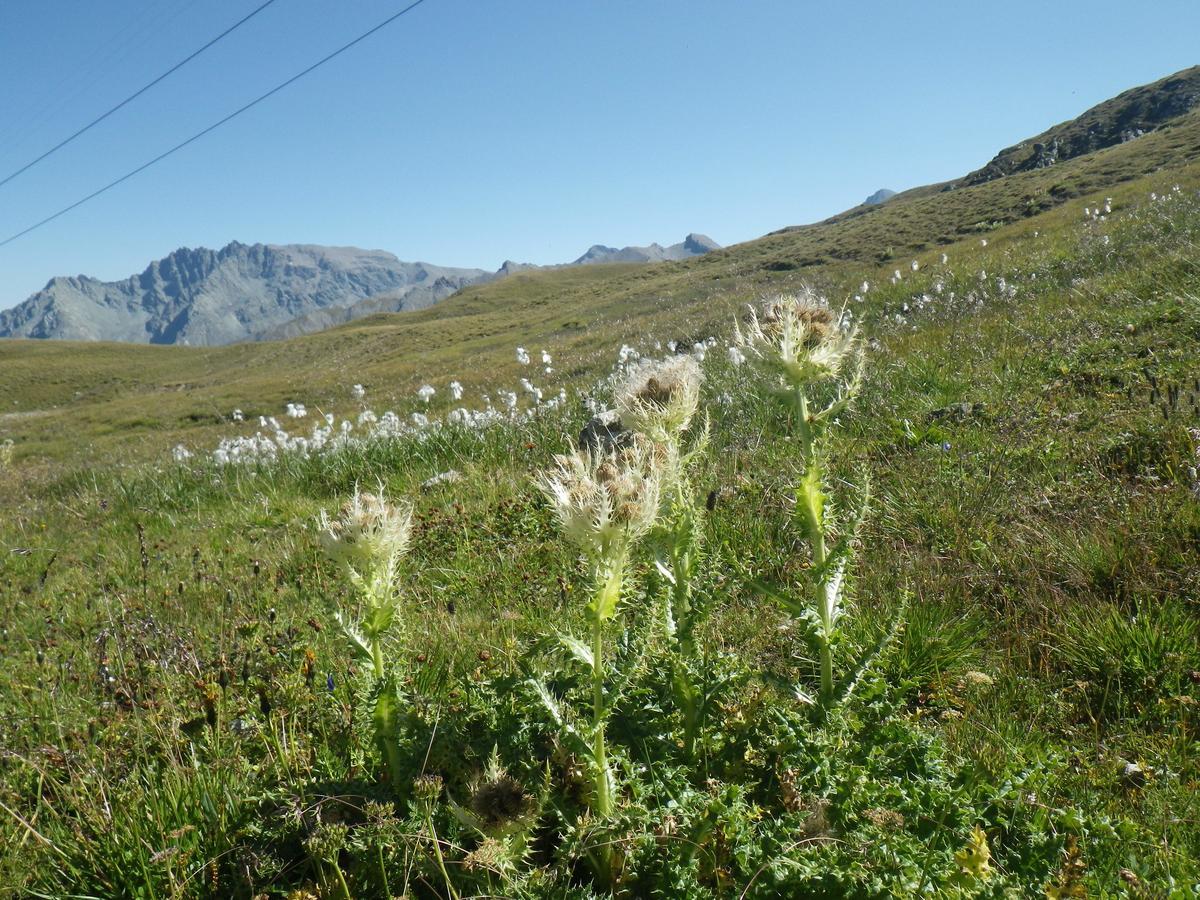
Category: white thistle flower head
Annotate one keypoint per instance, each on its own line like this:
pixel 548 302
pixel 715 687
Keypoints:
pixel 659 398
pixel 523 356
pixel 605 501
pixel 425 393
pixel 369 534
pixel 801 335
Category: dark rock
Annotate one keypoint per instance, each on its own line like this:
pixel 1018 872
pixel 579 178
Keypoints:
pixel 604 433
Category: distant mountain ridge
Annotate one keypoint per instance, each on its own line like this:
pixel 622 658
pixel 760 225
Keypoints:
pixel 880 196
pixel 253 292
pixel 692 245
pixel 240 292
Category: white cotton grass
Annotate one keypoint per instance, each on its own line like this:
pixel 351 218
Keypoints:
pixel 604 501
pixel 425 393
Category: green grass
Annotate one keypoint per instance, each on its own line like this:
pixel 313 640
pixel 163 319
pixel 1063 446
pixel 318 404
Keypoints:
pixel 1031 462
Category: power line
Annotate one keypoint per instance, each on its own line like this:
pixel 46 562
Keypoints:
pixel 175 68
pixel 42 108
pixel 199 134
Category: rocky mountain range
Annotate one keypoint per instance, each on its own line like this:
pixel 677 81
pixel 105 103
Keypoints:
pixel 251 292
pixel 692 245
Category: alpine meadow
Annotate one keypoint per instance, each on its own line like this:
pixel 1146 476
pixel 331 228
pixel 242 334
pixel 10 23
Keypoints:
pixel 858 560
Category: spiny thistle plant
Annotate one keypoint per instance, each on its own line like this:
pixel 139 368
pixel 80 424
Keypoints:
pixel 605 503
pixel 368 538
pixel 659 400
pixel 801 340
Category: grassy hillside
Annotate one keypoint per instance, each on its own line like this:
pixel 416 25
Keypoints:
pixel 85 400
pixel 181 713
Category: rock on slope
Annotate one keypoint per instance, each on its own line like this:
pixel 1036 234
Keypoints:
pixel 1127 116
pixel 240 292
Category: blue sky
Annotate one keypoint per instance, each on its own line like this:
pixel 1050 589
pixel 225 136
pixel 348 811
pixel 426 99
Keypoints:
pixel 470 132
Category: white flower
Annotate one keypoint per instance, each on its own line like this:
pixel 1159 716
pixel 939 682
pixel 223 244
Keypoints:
pixel 238 416
pixel 866 286
pixel 604 502
pixel 425 393
pixel 358 391
pixel 523 356
pixel 915 265
pixel 659 399
pixel 546 358
pixel 296 410
pixel 736 356
pixel 456 390
pixel 181 453
pixel 945 259
pixel 800 335
pixel 369 535
pixel 983 242
pixel 419 420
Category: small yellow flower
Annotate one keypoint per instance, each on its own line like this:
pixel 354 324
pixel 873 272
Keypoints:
pixel 974 860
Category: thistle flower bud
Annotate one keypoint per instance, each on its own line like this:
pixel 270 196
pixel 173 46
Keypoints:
pixel 604 502
pixel 369 535
pixel 800 334
pixel 660 398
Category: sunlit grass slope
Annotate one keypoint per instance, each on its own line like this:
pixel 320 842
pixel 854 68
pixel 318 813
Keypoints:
pixel 84 401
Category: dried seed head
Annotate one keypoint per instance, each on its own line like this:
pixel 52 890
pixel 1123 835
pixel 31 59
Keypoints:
pixel 499 799
pixel 427 788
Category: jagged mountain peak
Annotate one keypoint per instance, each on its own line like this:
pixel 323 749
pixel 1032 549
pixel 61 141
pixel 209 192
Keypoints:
pixel 240 292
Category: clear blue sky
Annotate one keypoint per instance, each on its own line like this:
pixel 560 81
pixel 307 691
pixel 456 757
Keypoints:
pixel 473 131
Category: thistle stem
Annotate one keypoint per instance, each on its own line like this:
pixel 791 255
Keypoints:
pixel 820 555
pixel 377 657
pixel 603 803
